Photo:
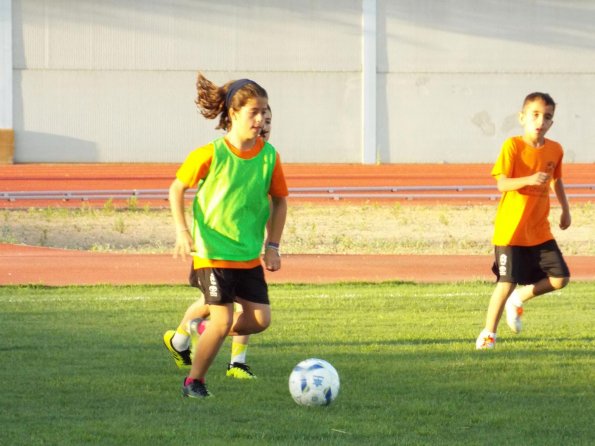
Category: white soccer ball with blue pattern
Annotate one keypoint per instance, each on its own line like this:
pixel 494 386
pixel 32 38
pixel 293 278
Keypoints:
pixel 314 382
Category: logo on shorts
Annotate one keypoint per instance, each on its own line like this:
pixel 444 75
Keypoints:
pixel 213 286
pixel 503 260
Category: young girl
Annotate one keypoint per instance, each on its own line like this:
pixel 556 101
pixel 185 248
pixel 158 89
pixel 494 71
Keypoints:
pixel 235 175
pixel 237 367
pixel 178 341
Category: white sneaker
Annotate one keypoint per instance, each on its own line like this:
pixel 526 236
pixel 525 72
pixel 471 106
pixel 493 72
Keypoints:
pixel 485 341
pixel 513 316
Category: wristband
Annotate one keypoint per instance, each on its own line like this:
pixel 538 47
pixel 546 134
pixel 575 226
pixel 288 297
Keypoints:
pixel 273 245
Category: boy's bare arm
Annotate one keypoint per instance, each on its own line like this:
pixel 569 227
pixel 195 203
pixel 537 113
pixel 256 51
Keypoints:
pixel 560 191
pixel 506 184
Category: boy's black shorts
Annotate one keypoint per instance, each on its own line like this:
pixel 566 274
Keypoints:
pixel 223 285
pixel 529 264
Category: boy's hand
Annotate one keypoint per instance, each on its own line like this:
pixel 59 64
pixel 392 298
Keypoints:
pixel 565 220
pixel 538 179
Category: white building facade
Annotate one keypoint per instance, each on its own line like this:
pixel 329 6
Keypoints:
pixel 349 81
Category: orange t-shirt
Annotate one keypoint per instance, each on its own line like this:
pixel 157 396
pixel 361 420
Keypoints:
pixel 522 216
pixel 196 167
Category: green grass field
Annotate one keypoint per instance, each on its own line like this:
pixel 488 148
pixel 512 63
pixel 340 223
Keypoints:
pixel 85 365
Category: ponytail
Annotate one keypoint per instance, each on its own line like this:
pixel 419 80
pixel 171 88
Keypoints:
pixel 213 101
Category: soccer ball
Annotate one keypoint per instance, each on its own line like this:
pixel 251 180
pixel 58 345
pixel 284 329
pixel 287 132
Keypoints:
pixel 314 382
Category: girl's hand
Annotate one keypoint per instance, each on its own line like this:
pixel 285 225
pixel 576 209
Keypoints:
pixel 183 244
pixel 272 259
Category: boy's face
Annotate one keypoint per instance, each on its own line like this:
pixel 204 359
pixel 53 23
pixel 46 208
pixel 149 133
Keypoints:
pixel 536 119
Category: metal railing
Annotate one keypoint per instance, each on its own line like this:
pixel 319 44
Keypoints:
pixel 335 193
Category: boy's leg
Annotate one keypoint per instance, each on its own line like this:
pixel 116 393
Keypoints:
pixel 542 287
pixel 551 273
pixel 487 338
pixel 496 305
pixel 505 268
pixel 514 305
pixel 554 271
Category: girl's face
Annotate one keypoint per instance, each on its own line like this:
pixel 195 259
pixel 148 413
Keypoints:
pixel 536 118
pixel 247 123
pixel 266 126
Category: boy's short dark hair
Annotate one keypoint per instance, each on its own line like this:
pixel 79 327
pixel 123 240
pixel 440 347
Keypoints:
pixel 546 98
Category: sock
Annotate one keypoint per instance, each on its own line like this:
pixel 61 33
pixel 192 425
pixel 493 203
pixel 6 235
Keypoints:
pixel 201 327
pixel 181 340
pixel 486 333
pixel 515 299
pixel 189 380
pixel 238 352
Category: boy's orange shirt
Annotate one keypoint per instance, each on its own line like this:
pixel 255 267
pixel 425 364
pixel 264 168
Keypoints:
pixel 196 167
pixel 522 216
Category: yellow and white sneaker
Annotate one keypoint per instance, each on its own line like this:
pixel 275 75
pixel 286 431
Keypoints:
pixel 239 370
pixel 182 359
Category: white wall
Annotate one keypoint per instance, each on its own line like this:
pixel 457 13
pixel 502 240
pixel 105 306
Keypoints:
pixel 114 81
pixel 104 81
pixel 5 64
pixel 454 75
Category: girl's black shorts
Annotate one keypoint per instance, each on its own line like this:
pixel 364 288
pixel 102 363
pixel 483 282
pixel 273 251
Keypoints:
pixel 224 285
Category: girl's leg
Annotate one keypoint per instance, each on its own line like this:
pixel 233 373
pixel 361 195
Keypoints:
pixel 254 318
pixel 181 338
pixel 237 367
pixel 239 345
pixel 211 339
pixel 196 310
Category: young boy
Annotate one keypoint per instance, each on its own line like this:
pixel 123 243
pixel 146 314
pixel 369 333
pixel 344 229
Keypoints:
pixel 525 250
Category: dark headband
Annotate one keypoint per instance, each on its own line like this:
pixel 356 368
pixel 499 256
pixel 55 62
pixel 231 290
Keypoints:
pixel 233 89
